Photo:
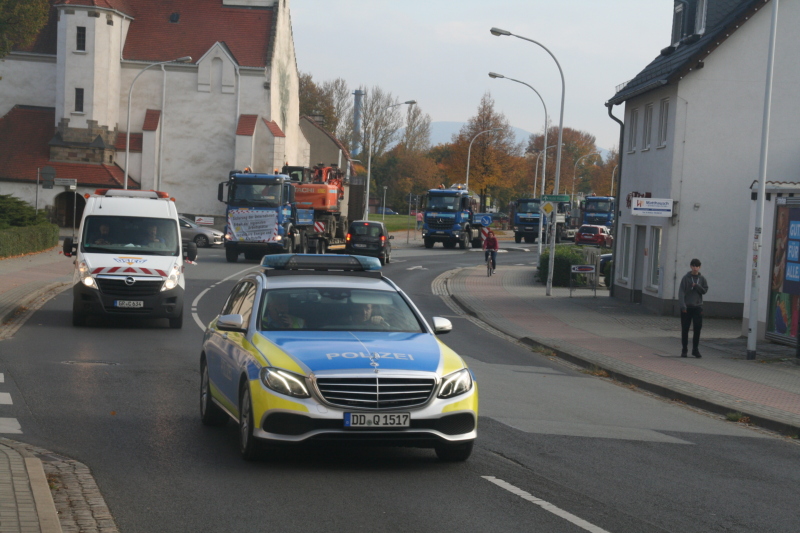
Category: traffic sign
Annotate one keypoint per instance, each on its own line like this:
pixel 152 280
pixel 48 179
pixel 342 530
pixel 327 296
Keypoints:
pixel 48 174
pixel 547 208
pixel 486 220
pixel 65 181
pixel 555 197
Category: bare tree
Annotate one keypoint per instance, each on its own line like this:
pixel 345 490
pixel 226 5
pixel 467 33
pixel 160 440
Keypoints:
pixel 381 119
pixel 337 93
pixel 417 135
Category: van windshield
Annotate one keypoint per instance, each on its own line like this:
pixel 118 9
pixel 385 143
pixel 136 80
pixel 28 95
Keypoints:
pixel 141 235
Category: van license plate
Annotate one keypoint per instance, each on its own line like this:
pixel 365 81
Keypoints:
pixel 360 245
pixel 363 420
pixel 128 303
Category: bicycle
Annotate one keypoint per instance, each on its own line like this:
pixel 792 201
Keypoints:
pixel 489 269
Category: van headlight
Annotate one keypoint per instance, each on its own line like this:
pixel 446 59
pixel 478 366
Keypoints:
pixel 173 279
pixel 86 276
pixel 456 383
pixel 284 382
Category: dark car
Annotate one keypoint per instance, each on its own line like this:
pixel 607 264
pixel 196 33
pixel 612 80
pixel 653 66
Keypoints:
pixel 366 237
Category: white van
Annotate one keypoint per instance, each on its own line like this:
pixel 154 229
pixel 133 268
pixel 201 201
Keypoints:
pixel 129 257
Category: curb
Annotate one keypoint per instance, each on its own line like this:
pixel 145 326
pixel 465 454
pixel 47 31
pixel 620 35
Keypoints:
pixel 14 319
pixel 707 405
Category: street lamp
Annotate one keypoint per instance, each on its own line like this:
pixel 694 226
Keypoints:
pixel 384 202
pixel 575 171
pixel 184 59
pixel 469 151
pixel 498 32
pixel 369 159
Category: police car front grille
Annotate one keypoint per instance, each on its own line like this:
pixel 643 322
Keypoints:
pixel 440 225
pixel 117 287
pixel 377 392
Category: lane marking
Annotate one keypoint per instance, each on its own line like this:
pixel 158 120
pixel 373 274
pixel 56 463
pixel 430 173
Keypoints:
pixel 5 398
pixel 580 522
pixel 196 301
pixel 418 267
pixel 10 425
pixel 2 377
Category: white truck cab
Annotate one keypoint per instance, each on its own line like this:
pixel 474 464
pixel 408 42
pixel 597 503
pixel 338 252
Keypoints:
pixel 129 258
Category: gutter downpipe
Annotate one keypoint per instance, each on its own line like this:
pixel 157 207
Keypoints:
pixel 236 118
pixel 161 125
pixel 617 199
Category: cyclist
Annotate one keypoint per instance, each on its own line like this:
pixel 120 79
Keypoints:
pixel 490 246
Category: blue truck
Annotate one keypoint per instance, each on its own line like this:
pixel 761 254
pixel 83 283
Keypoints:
pixel 262 216
pixel 526 218
pixel 450 220
pixel 599 211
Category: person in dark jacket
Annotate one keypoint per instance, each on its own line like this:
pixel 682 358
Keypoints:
pixel 690 296
pixel 491 246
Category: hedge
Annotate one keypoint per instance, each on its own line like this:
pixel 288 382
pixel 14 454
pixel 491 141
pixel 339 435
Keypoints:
pixel 566 256
pixel 28 239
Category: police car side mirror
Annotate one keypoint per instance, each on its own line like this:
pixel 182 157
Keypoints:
pixel 190 251
pixel 69 247
pixel 441 325
pixel 231 323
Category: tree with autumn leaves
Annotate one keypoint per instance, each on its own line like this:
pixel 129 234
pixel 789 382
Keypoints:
pixel 20 23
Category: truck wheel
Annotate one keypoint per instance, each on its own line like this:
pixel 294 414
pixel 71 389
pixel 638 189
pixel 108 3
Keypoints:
pixel 322 246
pixel 302 247
pixel 428 243
pixel 517 238
pixel 528 239
pixel 462 243
pixel 231 254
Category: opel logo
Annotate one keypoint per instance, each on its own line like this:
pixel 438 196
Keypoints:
pixel 130 280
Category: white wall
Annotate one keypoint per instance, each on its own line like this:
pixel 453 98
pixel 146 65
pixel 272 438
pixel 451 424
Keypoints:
pixel 27 79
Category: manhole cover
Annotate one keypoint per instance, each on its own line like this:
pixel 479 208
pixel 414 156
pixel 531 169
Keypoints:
pixel 108 363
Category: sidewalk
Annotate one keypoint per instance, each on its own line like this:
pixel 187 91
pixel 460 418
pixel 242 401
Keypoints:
pixel 636 347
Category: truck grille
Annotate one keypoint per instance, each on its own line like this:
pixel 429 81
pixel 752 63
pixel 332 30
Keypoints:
pixel 440 225
pixel 377 392
pixel 117 287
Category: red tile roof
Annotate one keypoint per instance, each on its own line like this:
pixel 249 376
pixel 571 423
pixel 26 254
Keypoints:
pixel 136 142
pixel 118 5
pixel 247 125
pixel 151 118
pixel 274 128
pixel 152 37
pixel 24 135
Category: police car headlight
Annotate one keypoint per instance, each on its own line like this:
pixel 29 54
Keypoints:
pixel 172 279
pixel 285 382
pixel 456 383
pixel 86 277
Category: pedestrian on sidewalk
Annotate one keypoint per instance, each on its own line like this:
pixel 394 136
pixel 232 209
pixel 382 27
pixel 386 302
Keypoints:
pixel 490 246
pixel 690 296
pixel 419 220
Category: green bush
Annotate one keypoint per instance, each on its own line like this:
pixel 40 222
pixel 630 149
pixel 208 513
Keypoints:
pixel 18 241
pixel 15 213
pixel 566 256
pixel 607 273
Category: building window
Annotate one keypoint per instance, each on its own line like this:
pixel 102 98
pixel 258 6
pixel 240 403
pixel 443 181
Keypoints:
pixel 80 41
pixel 655 255
pixel 633 132
pixel 662 122
pixel 700 19
pixel 648 126
pixel 677 25
pixel 626 260
pixel 79 100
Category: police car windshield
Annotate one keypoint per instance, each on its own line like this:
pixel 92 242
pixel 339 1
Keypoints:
pixel 442 203
pixel 141 235
pixel 528 206
pixel 336 309
pixel 598 207
pixel 267 195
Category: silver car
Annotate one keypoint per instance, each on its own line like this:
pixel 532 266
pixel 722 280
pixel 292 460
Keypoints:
pixel 202 237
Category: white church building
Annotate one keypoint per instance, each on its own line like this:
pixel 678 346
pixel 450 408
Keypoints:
pixel 65 100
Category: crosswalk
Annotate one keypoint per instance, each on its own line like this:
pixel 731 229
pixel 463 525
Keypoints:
pixel 7 425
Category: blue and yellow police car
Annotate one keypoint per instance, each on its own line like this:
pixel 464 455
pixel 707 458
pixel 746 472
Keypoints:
pixel 324 347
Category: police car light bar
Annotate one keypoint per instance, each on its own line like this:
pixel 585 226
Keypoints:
pixel 324 262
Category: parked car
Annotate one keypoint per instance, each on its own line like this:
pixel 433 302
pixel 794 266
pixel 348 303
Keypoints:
pixel 370 238
pixel 385 211
pixel 596 235
pixel 201 236
pixel 325 348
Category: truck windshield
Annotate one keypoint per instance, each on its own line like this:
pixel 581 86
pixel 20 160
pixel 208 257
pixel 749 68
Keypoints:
pixel 267 195
pixel 139 235
pixel 442 203
pixel 528 206
pixel 598 207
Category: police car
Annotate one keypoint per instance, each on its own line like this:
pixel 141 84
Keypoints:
pixel 323 347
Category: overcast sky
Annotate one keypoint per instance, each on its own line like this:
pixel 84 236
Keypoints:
pixel 439 52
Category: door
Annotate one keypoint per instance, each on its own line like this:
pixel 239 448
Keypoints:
pixel 639 251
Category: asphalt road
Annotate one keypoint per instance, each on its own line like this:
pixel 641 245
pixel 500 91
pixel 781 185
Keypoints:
pixel 558 450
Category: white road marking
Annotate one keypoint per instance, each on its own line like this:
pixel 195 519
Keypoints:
pixel 580 522
pixel 418 267
pixel 10 425
pixel 5 398
pixel 196 301
pixel 2 378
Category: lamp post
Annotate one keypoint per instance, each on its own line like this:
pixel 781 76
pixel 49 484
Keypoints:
pixel 184 59
pixel 369 158
pixel 535 180
pixel 469 151
pixel 498 32
pixel 384 203
pixel 575 171
pixel 613 173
